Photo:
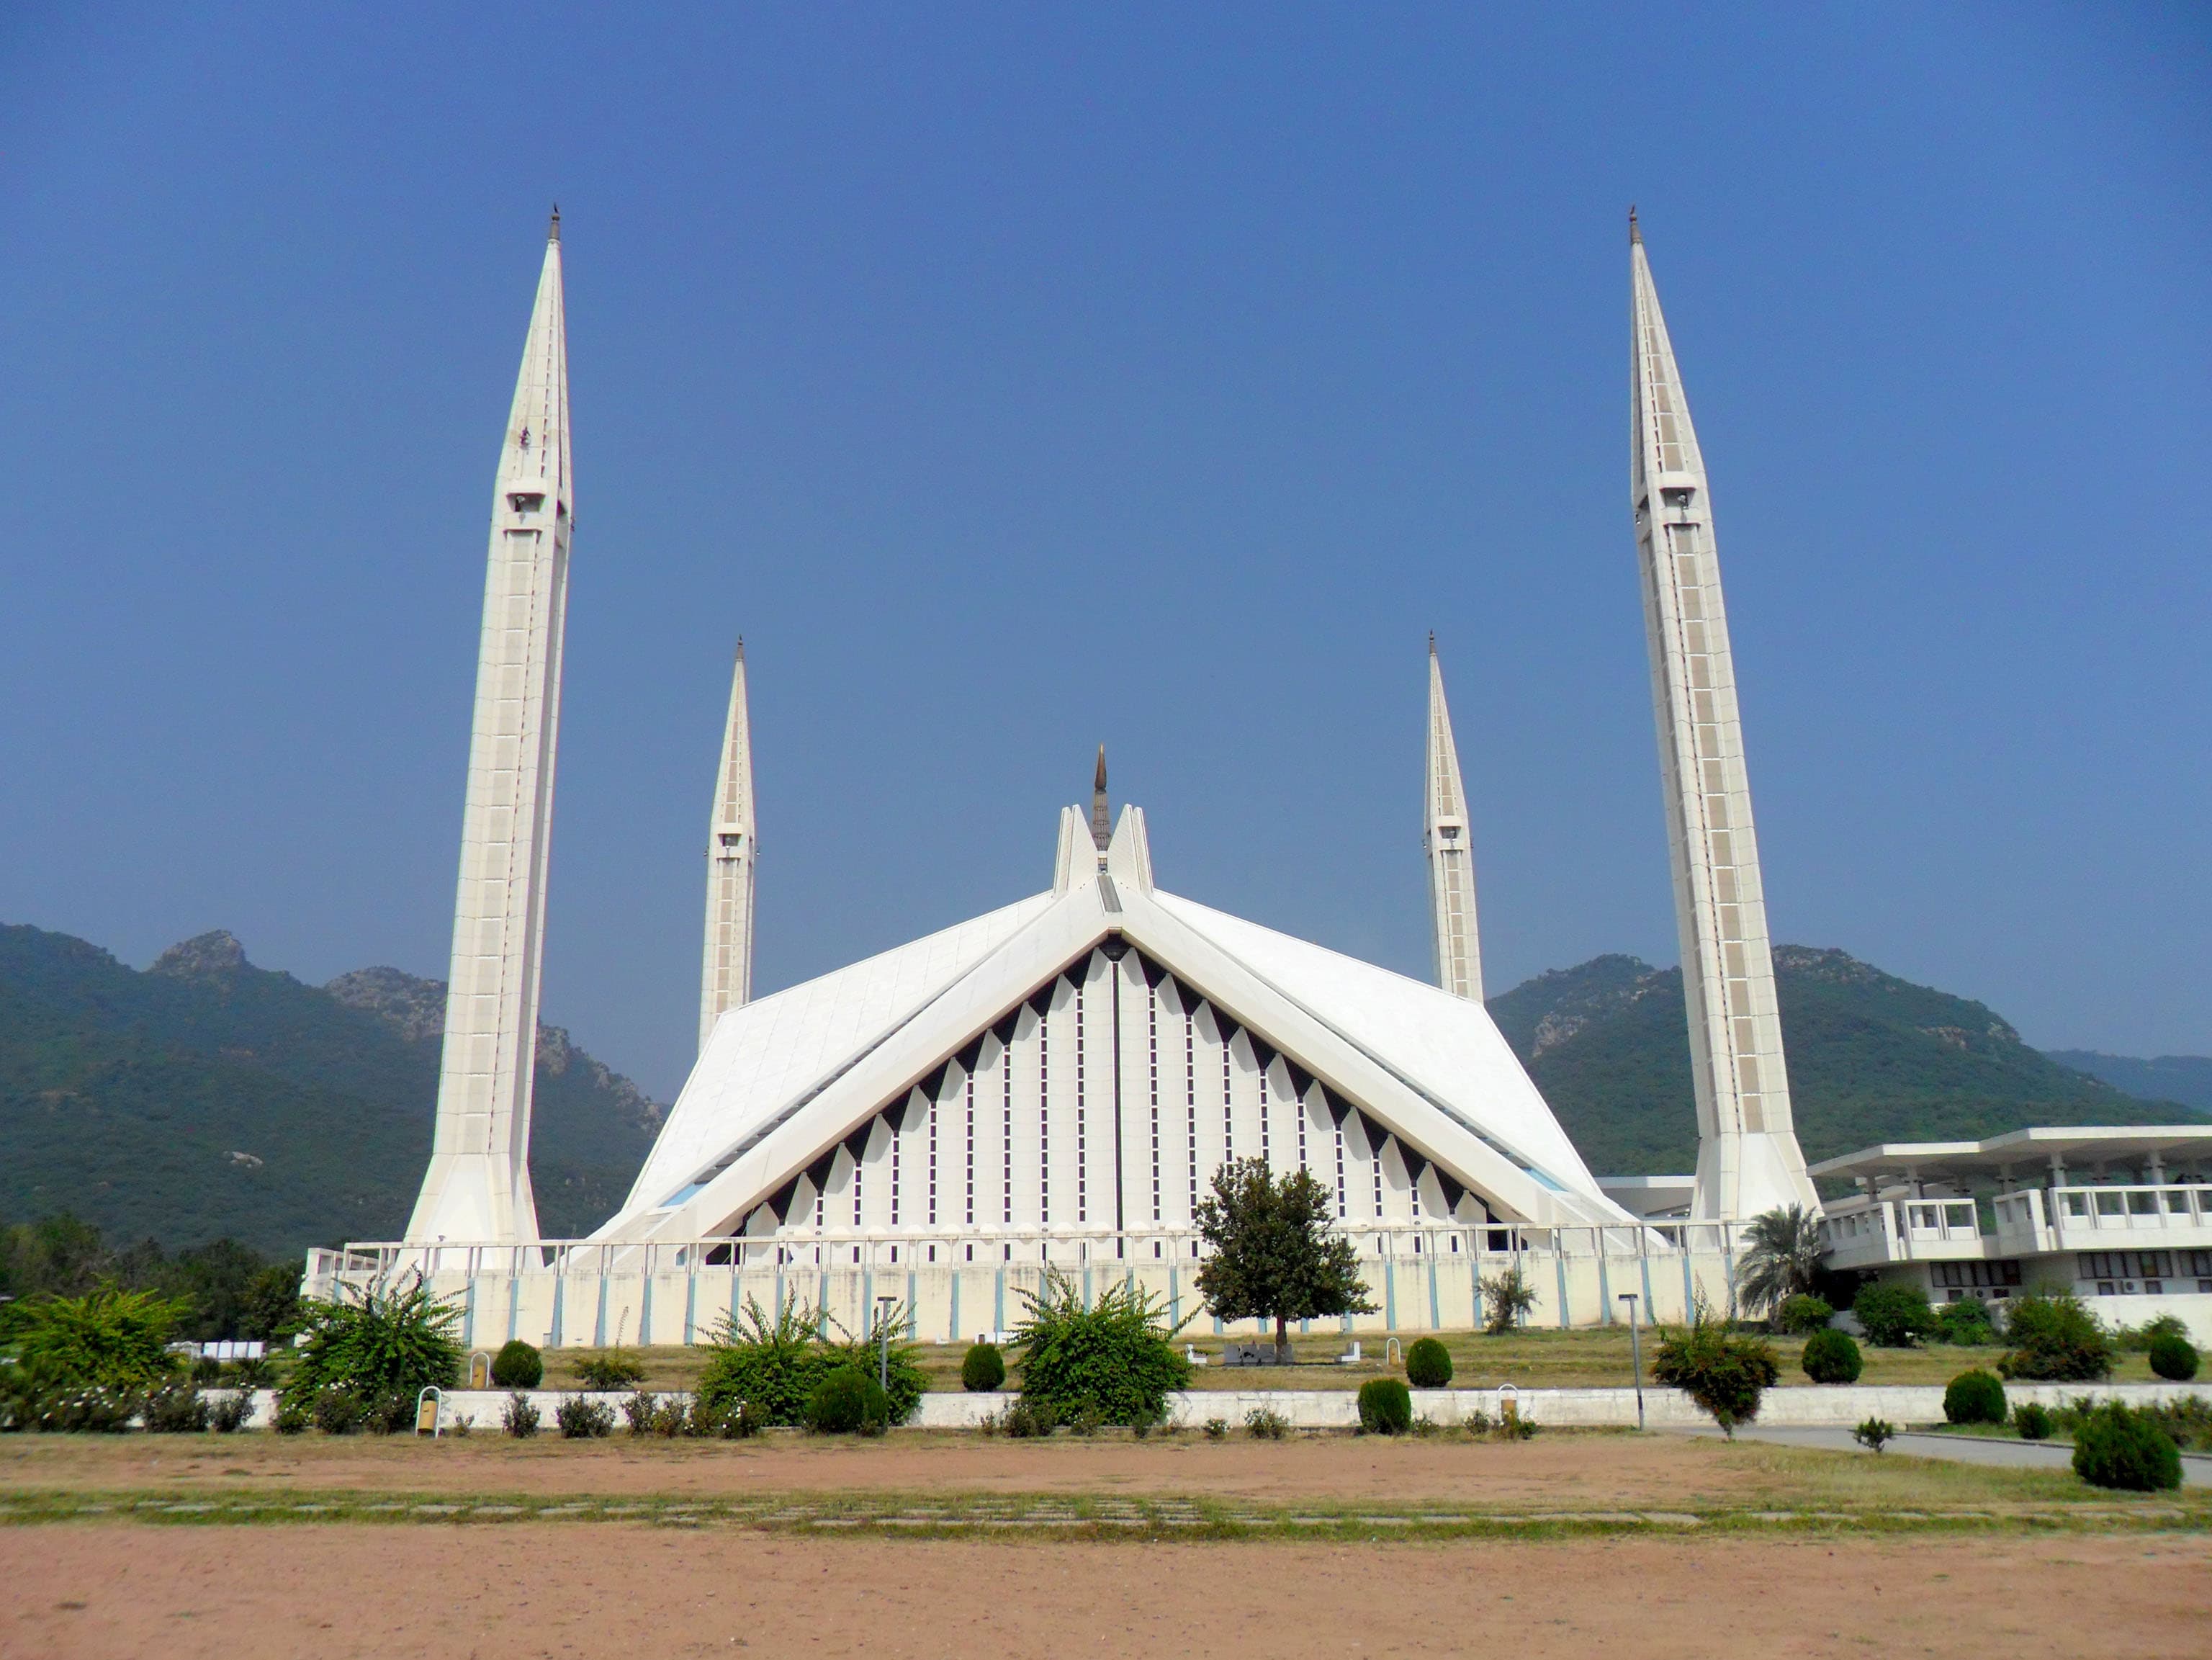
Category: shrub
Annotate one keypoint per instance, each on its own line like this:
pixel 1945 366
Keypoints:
pixel 176 1409
pixel 1386 1407
pixel 2138 1339
pixel 2054 1338
pixel 96 1410
pixel 1216 1429
pixel 1831 1356
pixel 1874 1433
pixel 337 1412
pixel 612 1370
pixel 384 1345
pixel 1114 1359
pixel 2115 1447
pixel 1266 1424
pixel 2032 1420
pixel 1024 1420
pixel 1476 1423
pixel 1428 1364
pixel 1506 1298
pixel 1974 1397
pixel 2173 1359
pixel 292 1416
pixel 1803 1313
pixel 772 1362
pixel 637 1412
pixel 227 1412
pixel 107 1339
pixel 518 1366
pixel 580 1419
pixel 1893 1315
pixel 519 1417
pixel 1725 1373
pixel 1513 1427
pixel 849 1400
pixel 983 1369
pixel 1965 1322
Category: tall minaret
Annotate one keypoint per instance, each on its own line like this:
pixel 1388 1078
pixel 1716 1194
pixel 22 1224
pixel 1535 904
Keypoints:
pixel 726 976
pixel 1446 839
pixel 1102 822
pixel 1747 1156
pixel 478 1188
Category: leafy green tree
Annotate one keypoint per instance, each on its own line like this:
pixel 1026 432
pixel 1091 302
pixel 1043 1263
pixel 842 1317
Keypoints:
pixel 1507 1296
pixel 1114 1361
pixel 1781 1259
pixel 1725 1373
pixel 1275 1255
pixel 2053 1338
pixel 108 1338
pixel 1893 1315
pixel 382 1343
pixel 58 1254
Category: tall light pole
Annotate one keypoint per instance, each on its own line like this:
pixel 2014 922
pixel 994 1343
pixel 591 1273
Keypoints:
pixel 884 1307
pixel 1635 1353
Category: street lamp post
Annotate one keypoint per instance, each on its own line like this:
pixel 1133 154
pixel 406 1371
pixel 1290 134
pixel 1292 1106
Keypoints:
pixel 1636 1354
pixel 883 1306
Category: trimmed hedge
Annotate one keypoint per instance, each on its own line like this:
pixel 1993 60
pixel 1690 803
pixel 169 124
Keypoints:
pixel 2114 1447
pixel 1428 1364
pixel 518 1366
pixel 1803 1313
pixel 2173 1359
pixel 1974 1397
pixel 1386 1407
pixel 1832 1357
pixel 984 1369
pixel 846 1401
pixel 2033 1421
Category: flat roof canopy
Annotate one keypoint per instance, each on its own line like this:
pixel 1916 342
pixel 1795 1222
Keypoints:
pixel 2187 1146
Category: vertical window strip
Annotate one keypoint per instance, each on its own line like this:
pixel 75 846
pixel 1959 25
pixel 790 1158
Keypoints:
pixel 1228 1102
pixel 1152 1027
pixel 895 1139
pixel 970 1216
pixel 1379 1179
pixel 859 1159
pixel 1082 1113
pixel 1006 1130
pixel 932 1211
pixel 1190 1097
pixel 1044 1114
pixel 1302 1131
pixel 1264 1157
pixel 1339 1173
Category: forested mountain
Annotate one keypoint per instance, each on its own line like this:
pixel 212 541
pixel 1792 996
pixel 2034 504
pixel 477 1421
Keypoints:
pixel 1871 1058
pixel 206 1096
pixel 2184 1077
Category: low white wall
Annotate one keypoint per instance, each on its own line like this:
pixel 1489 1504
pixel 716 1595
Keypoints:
pixel 1803 1407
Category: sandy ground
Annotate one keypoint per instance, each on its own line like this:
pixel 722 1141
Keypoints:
pixel 1554 1472
pixel 233 1594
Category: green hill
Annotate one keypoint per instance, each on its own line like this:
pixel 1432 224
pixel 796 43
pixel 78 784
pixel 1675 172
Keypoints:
pixel 207 1096
pixel 2184 1077
pixel 1871 1058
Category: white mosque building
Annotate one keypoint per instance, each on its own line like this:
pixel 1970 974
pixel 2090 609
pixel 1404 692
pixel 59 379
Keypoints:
pixel 1052 1085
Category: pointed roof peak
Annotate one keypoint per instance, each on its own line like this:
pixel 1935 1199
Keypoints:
pixel 1635 233
pixel 553 230
pixel 1098 779
pixel 741 648
pixel 1102 823
pixel 1433 642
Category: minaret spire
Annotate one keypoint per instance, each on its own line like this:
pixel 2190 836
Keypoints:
pixel 727 973
pixel 477 1187
pixel 1748 1160
pixel 1446 839
pixel 1102 822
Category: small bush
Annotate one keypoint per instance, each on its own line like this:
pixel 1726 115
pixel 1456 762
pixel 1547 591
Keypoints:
pixel 1723 1373
pixel 1506 1299
pixel 1216 1429
pixel 1894 1316
pixel 292 1416
pixel 672 1418
pixel 1831 1356
pixel 983 1369
pixel 637 1412
pixel 2137 1340
pixel 580 1419
pixel 98 1410
pixel 386 1412
pixel 1386 1407
pixel 518 1366
pixel 1113 1359
pixel 464 1423
pixel 1024 1420
pixel 773 1361
pixel 1964 1322
pixel 1428 1364
pixel 2055 1339
pixel 612 1370
pixel 177 1409
pixel 519 1418
pixel 2114 1447
pixel 1974 1397
pixel 337 1412
pixel 2173 1359
pixel 848 1401
pixel 1874 1433
pixel 1476 1423
pixel 1803 1313
pixel 1515 1426
pixel 2032 1421
pixel 109 1339
pixel 229 1411
pixel 1265 1424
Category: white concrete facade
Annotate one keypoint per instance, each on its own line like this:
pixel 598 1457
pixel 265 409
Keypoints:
pixel 477 1186
pixel 725 974
pixel 1448 839
pixel 1749 1159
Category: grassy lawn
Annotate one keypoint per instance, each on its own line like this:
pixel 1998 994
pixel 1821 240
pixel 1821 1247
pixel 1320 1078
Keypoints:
pixel 1530 1359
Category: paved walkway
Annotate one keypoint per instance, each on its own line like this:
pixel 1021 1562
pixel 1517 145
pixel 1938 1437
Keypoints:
pixel 2195 1467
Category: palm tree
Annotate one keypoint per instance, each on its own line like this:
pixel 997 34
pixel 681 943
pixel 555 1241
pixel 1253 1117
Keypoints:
pixel 1782 1253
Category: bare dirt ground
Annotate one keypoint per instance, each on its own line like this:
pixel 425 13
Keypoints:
pixel 445 1593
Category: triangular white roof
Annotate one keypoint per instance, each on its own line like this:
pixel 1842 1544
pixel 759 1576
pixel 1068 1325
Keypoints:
pixel 787 1078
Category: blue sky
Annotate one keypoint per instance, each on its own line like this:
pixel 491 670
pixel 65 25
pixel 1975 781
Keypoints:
pixel 1019 378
